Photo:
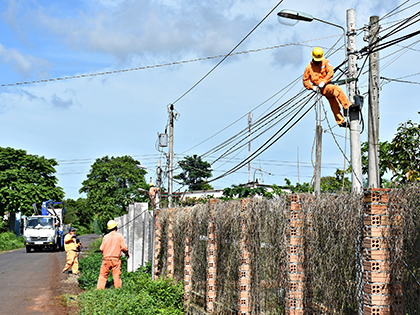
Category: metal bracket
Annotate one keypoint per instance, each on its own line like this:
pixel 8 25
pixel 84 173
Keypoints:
pixel 358 103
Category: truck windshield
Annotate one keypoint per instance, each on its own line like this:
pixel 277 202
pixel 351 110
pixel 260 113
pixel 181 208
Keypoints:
pixel 40 223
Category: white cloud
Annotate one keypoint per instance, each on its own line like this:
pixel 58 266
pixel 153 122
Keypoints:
pixel 26 65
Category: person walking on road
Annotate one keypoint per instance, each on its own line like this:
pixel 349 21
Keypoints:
pixel 112 246
pixel 319 72
pixel 70 246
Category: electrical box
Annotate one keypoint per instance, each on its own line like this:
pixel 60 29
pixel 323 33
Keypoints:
pixel 163 140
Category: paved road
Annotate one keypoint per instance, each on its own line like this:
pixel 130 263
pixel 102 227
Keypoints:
pixel 30 282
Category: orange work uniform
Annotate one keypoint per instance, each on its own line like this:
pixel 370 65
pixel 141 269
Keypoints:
pixel 112 246
pixel 152 194
pixel 70 246
pixel 324 72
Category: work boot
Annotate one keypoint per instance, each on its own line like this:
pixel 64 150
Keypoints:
pixel 344 124
pixel 65 271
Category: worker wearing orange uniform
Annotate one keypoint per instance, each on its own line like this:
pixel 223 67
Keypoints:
pixel 152 194
pixel 319 72
pixel 71 246
pixel 112 246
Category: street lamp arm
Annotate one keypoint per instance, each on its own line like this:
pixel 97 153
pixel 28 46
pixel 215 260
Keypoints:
pixel 326 22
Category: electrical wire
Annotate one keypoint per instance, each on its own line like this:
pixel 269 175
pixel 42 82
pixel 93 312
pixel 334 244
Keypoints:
pixel 224 58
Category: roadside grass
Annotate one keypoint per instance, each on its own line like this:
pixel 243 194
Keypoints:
pixel 138 295
pixel 9 241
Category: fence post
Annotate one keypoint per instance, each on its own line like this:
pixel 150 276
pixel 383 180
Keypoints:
pixel 187 258
pixel 157 245
pixel 211 260
pixel 382 294
pixel 296 302
pixel 244 265
pixel 171 251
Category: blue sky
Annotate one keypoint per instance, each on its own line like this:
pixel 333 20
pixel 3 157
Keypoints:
pixel 79 120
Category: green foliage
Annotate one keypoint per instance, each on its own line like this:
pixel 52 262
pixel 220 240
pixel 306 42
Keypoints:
pixel 242 192
pixel 195 171
pixel 9 241
pixel 298 188
pixel 112 184
pixel 26 179
pixel 334 184
pixel 138 295
pixel 80 215
pixel 401 156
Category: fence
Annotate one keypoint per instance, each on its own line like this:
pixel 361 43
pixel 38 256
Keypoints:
pixel 336 254
pixel 137 228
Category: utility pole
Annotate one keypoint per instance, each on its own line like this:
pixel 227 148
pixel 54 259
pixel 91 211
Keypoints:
pixel 171 154
pixel 354 111
pixel 157 203
pixel 373 113
pixel 318 132
pixel 249 146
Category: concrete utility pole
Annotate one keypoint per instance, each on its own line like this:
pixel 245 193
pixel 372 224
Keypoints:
pixel 171 154
pixel 157 203
pixel 354 111
pixel 318 131
pixel 373 114
pixel 249 145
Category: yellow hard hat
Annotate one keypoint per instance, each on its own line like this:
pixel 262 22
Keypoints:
pixel 111 224
pixel 317 54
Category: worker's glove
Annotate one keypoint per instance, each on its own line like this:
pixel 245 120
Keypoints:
pixel 315 89
pixel 321 85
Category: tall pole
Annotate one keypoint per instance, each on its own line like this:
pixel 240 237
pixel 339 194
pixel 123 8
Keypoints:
pixel 354 112
pixel 157 206
pixel 171 154
pixel 318 132
pixel 373 113
pixel 249 145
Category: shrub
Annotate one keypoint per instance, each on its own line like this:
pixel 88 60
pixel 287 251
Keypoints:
pixel 9 241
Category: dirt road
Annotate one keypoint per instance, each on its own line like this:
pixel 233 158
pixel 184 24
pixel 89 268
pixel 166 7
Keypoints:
pixel 31 283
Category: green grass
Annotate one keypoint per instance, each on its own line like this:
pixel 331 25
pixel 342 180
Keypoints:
pixel 9 241
pixel 138 295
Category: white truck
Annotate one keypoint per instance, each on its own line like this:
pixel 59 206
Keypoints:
pixel 46 230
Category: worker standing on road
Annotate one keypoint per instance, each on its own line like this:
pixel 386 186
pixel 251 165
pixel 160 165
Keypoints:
pixel 71 246
pixel 319 72
pixel 112 246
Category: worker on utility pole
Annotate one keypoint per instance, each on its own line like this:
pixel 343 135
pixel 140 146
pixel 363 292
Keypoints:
pixel 152 194
pixel 319 72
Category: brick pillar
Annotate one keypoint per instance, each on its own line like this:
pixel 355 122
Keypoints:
pixel 171 252
pixel 187 259
pixel 157 245
pixel 295 296
pixel 379 292
pixel 244 266
pixel 211 260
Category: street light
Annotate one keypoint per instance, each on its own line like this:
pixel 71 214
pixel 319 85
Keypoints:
pixel 300 16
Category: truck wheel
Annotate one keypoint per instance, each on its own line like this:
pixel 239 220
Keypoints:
pixel 28 249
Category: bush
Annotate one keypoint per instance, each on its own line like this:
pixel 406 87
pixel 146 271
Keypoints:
pixel 9 241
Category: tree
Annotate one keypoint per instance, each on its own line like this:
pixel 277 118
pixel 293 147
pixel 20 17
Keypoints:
pixel 401 156
pixel 79 213
pixel 26 179
pixel 195 173
pixel 112 184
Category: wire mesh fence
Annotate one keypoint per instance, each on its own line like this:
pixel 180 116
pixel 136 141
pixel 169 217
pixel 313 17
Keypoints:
pixel 332 241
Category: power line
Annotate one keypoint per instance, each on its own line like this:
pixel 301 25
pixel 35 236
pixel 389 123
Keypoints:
pixel 224 58
pixel 400 81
